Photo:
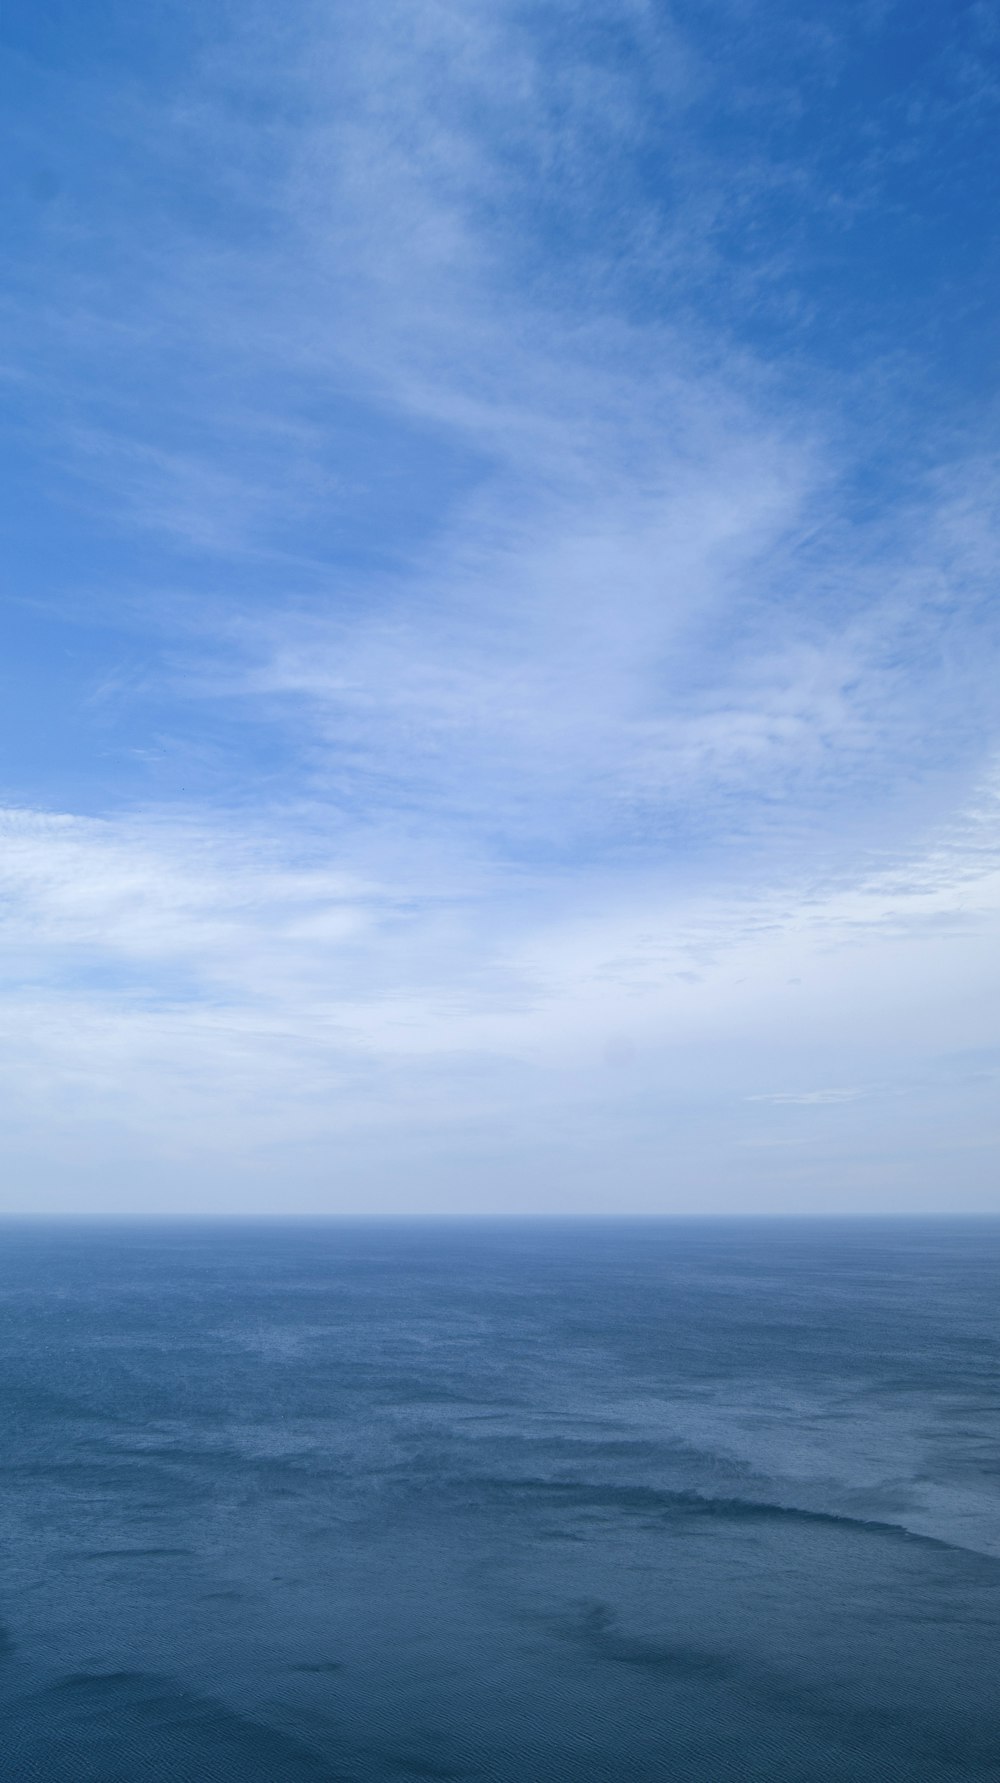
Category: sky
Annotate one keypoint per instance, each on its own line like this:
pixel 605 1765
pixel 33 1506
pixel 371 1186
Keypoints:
pixel 499 685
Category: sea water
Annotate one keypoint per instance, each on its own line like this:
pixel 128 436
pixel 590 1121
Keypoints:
pixel 566 1501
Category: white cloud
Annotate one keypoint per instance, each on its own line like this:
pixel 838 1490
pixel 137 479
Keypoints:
pixel 179 997
pixel 619 806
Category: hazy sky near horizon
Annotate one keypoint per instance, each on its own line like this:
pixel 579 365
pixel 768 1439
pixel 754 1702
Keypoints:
pixel 501 628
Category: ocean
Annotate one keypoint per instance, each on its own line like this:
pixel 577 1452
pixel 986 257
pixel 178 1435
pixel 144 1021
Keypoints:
pixel 498 1502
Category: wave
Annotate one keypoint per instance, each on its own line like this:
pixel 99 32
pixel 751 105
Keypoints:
pixel 666 1501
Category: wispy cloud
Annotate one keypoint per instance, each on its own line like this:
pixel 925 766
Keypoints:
pixel 598 699
pixel 195 995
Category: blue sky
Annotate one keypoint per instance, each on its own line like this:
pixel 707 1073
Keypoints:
pixel 499 688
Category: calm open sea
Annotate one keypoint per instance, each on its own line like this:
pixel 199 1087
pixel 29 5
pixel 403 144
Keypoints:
pixel 501 1502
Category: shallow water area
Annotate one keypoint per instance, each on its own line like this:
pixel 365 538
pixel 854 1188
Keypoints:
pixel 568 1500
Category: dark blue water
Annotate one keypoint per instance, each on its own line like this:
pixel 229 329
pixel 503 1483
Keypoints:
pixel 692 1501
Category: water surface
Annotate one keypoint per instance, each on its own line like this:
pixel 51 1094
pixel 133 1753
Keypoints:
pixel 506 1502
